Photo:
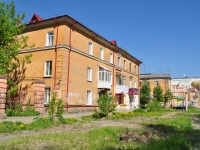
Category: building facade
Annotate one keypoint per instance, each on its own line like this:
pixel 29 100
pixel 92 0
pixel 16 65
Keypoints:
pixel 163 80
pixel 79 63
pixel 191 86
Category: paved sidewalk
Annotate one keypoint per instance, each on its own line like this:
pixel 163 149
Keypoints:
pixel 29 119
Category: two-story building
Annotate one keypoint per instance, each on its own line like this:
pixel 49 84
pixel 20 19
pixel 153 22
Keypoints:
pixel 163 80
pixel 79 63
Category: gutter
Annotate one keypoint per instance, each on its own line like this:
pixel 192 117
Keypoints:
pixel 68 68
pixel 56 53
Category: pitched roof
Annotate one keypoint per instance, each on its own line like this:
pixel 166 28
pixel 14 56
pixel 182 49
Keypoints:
pixel 35 18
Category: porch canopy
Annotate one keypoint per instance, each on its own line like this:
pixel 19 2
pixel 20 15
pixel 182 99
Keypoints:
pixel 133 91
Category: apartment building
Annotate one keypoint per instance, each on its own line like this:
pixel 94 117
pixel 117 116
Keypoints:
pixel 79 63
pixel 163 80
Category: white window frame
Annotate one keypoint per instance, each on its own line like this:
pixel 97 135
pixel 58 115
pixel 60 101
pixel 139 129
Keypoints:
pixel 111 58
pixel 156 83
pixel 102 53
pixel 123 80
pixel 48 68
pixel 50 38
pixel 105 75
pixel 89 97
pixel 90 48
pixel 135 84
pixel 89 74
pixel 118 80
pixel 47 95
pixel 130 83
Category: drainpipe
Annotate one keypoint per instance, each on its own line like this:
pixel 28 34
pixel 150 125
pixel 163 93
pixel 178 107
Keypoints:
pixel 56 55
pixel 113 78
pixel 138 84
pixel 68 69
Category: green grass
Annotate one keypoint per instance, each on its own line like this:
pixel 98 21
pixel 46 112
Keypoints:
pixel 106 138
pixel 173 142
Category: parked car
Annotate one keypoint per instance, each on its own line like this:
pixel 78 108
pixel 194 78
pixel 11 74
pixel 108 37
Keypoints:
pixel 179 107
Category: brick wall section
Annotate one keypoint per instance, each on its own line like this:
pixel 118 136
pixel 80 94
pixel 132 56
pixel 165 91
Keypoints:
pixel 3 85
pixel 39 88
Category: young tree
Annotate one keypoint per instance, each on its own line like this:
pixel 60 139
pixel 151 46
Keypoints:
pixel 145 93
pixel 158 94
pixel 168 96
pixel 11 42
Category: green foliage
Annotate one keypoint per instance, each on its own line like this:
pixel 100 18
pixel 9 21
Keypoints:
pixel 123 115
pixel 139 110
pixel 154 106
pixel 145 93
pixel 55 107
pixel 106 106
pixel 158 94
pixel 11 42
pixel 173 142
pixel 60 107
pixel 41 123
pixel 67 120
pixel 29 111
pixel 168 95
pixel 52 105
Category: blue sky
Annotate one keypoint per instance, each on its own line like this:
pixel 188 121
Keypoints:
pixel 163 34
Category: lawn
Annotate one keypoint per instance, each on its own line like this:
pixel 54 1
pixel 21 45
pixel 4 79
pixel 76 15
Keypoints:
pixel 169 132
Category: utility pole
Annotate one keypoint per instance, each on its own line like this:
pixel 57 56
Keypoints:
pixel 186 102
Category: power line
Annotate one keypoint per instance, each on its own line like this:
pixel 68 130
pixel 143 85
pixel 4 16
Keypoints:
pixel 41 7
pixel 30 3
pixel 163 39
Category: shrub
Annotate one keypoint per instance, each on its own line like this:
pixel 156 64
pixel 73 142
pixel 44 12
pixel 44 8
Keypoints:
pixel 60 107
pixel 154 106
pixel 52 105
pixel 30 111
pixel 106 106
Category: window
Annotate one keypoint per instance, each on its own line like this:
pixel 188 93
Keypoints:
pixel 104 75
pixel 48 68
pixel 135 70
pixel 140 84
pixel 135 84
pixel 47 95
pixel 118 78
pixel 101 53
pixel 130 83
pixel 111 58
pixel 130 67
pixel 156 83
pixel 124 64
pixel 118 61
pixel 89 74
pixel 90 48
pixel 123 80
pixel 50 36
pixel 89 98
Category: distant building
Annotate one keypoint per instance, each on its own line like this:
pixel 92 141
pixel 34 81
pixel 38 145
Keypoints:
pixel 179 87
pixel 163 80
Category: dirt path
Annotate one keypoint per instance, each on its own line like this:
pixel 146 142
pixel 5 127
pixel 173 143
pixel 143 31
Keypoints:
pixel 84 127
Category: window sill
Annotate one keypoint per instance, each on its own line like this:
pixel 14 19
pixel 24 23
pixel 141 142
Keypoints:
pixel 89 80
pixel 47 76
